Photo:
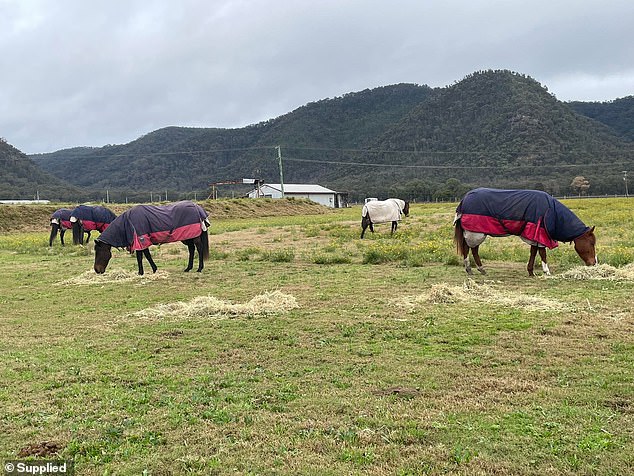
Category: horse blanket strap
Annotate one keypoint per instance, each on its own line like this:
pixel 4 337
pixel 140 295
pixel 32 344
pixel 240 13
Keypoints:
pixel 531 214
pixel 62 217
pixel 145 225
pixel 93 218
pixel 383 211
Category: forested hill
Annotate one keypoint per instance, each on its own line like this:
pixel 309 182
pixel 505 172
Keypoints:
pixel 617 114
pixel 20 178
pixel 179 159
pixel 493 128
pixel 499 128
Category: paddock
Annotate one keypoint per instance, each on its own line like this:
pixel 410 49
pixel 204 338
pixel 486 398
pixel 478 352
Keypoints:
pixel 316 349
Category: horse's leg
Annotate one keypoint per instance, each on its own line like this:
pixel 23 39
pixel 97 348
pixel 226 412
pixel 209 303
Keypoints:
pixel 465 259
pixel 61 235
pixel 52 235
pixel 394 225
pixel 190 248
pixel 199 247
pixel 88 237
pixel 148 257
pixel 542 255
pixel 139 261
pixel 476 258
pixel 531 261
pixel 365 222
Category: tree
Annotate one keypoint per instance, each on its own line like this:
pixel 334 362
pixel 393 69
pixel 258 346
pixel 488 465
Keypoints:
pixel 580 185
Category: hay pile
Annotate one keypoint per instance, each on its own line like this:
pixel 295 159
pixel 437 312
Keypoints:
pixel 472 292
pixel 211 307
pixel 111 276
pixel 602 271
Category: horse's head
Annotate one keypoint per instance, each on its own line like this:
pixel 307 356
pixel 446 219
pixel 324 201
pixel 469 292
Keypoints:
pixel 103 254
pixel 585 247
pixel 406 209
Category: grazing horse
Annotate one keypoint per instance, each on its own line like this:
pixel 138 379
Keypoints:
pixel 86 218
pixel 145 225
pixel 383 211
pixel 535 216
pixel 60 222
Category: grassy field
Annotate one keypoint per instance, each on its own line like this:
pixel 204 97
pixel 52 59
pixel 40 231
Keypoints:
pixel 392 361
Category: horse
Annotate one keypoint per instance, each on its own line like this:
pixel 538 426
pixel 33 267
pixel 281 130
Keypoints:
pixel 144 225
pixel 537 218
pixel 86 218
pixel 60 222
pixel 383 211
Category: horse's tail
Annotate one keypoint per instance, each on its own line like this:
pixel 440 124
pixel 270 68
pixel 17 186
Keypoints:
pixel 458 238
pixel 204 240
pixel 78 233
pixel 54 230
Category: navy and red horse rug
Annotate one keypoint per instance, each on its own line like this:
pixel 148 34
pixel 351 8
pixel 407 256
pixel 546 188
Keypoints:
pixel 93 218
pixel 61 217
pixel 145 225
pixel 531 214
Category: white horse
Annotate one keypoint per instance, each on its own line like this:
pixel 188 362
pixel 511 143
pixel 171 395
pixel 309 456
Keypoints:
pixel 383 211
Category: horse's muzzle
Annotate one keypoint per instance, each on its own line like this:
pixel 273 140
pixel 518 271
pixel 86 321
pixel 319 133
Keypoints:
pixel 100 269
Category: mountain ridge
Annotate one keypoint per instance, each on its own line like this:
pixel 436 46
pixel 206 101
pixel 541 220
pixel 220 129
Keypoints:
pixel 490 119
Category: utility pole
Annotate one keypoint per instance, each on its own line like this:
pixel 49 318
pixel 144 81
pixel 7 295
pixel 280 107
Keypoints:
pixel 625 180
pixel 279 158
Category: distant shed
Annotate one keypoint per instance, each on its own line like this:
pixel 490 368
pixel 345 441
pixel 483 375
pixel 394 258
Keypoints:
pixel 313 192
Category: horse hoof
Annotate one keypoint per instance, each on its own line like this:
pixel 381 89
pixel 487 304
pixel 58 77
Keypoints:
pixel 469 272
pixel 482 270
pixel 186 270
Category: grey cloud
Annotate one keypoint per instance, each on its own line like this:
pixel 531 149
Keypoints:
pixel 79 73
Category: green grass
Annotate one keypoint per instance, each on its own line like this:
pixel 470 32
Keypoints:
pixel 493 390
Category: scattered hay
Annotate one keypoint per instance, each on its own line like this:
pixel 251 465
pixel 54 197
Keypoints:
pixel 211 307
pixel 471 291
pixel 444 293
pixel 602 271
pixel 112 276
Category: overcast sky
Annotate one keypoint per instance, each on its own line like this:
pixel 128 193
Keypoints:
pixel 78 72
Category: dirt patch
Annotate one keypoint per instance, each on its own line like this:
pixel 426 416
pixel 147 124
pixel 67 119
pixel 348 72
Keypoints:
pixel 471 291
pixel 43 449
pixel 403 392
pixel 36 218
pixel 211 307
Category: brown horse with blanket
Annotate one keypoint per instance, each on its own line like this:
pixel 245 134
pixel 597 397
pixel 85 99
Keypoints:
pixel 538 218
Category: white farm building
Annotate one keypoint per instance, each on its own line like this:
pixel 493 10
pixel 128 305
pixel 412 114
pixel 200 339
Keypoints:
pixel 316 193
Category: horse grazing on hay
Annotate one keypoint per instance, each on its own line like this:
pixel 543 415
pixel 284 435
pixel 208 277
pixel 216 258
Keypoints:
pixel 60 222
pixel 535 216
pixel 86 218
pixel 145 225
pixel 383 211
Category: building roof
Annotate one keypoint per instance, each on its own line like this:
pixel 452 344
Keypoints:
pixel 299 188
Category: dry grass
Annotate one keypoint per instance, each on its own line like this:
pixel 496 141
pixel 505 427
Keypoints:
pixel 602 271
pixel 470 291
pixel 274 302
pixel 113 276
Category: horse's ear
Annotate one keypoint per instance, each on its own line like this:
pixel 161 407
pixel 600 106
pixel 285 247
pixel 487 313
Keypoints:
pixel 591 230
